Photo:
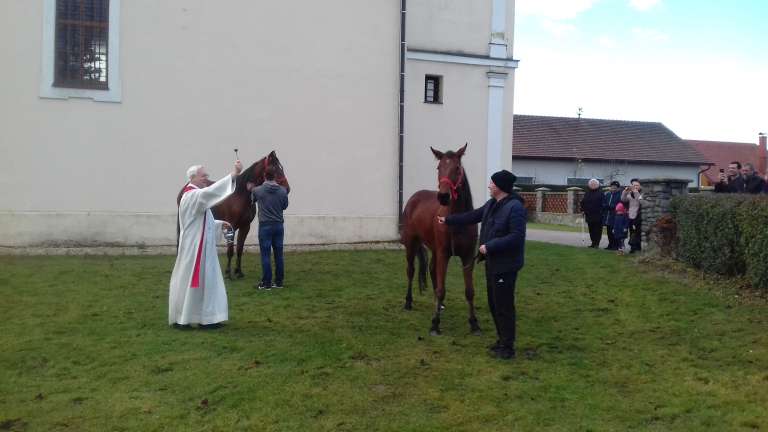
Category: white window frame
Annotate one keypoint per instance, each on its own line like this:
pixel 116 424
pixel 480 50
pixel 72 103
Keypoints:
pixel 47 90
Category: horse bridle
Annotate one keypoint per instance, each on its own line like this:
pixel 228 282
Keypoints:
pixel 453 186
pixel 266 165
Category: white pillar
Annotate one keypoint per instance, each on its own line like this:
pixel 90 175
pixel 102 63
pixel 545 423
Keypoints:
pixel 497 47
pixel 494 147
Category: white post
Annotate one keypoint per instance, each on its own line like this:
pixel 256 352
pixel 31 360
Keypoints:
pixel 494 147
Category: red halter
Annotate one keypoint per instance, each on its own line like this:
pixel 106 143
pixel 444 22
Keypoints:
pixel 454 186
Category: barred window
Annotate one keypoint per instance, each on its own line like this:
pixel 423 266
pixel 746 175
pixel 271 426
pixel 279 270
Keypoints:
pixel 82 31
pixel 432 89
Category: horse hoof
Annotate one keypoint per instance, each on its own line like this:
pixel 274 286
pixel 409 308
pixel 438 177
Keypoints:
pixel 408 306
pixel 477 332
pixel 239 275
pixel 434 332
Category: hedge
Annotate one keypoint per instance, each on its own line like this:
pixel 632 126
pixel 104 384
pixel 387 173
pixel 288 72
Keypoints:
pixel 725 234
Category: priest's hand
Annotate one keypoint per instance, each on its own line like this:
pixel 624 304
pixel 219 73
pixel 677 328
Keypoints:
pixel 238 167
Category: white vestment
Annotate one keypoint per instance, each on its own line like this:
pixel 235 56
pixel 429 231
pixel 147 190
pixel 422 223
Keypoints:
pixel 206 303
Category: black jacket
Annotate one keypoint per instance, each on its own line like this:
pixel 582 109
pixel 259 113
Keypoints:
pixel 502 232
pixel 592 206
pixel 752 184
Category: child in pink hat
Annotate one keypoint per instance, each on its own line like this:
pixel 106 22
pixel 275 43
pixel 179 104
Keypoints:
pixel 620 227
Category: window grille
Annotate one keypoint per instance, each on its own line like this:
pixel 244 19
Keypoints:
pixel 432 90
pixel 82 30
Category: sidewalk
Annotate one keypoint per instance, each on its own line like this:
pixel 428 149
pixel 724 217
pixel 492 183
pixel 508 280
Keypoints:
pixel 563 237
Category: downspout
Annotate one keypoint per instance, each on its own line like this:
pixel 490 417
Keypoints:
pixel 401 125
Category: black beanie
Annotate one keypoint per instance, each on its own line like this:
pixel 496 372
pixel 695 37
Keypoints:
pixel 504 180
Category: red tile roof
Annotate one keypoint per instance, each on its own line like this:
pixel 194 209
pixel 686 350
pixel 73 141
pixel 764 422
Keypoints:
pixel 597 139
pixel 722 153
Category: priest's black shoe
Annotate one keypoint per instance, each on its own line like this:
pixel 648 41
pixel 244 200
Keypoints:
pixel 210 326
pixel 182 326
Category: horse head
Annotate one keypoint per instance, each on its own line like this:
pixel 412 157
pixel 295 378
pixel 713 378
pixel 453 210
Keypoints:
pixel 256 173
pixel 450 174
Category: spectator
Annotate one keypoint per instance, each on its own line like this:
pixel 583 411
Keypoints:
pixel 592 207
pixel 610 199
pixel 730 182
pixel 620 225
pixel 753 183
pixel 631 198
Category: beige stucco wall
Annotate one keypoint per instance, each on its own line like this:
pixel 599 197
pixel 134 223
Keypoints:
pixel 199 80
pixel 461 27
pixel 461 118
pixel 458 26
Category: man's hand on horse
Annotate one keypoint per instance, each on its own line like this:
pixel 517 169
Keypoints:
pixel 483 250
pixel 238 167
pixel 441 219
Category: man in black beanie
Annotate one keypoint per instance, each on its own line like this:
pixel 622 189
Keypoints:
pixel 502 244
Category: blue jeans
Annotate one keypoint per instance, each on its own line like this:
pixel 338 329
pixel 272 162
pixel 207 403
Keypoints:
pixel 271 238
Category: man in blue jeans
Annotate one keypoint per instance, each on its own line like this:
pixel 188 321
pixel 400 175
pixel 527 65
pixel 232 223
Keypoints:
pixel 271 199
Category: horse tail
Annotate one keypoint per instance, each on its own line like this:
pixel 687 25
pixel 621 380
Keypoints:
pixel 421 254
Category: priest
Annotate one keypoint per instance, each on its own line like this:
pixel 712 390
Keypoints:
pixel 197 292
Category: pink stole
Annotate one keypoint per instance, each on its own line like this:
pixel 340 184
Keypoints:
pixel 196 271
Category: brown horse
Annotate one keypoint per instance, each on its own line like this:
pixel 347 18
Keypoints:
pixel 420 227
pixel 238 210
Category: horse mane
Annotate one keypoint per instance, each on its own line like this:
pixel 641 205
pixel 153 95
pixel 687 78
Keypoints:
pixel 250 174
pixel 464 198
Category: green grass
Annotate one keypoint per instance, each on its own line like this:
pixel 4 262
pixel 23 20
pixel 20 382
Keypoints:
pixel 603 346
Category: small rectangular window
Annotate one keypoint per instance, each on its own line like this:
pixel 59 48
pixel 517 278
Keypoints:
pixel 524 180
pixel 433 89
pixel 81 40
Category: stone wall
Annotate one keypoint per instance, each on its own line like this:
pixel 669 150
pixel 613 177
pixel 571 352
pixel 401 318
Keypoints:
pixel 656 202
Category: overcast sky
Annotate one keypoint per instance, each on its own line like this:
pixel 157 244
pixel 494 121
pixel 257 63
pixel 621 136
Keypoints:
pixel 699 67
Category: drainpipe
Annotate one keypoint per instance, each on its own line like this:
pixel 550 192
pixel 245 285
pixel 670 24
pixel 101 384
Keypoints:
pixel 401 125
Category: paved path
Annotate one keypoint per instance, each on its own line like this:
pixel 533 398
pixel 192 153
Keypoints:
pixel 562 237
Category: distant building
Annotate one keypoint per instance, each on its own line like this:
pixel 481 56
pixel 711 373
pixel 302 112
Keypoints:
pixel 570 151
pixel 722 153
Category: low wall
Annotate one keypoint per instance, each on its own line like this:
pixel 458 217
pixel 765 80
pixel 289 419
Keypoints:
pixel 573 220
pixel 100 229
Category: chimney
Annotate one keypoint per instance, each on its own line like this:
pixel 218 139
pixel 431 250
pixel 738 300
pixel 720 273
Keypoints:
pixel 762 154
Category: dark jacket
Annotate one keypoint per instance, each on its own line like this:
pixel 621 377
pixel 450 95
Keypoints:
pixel 620 226
pixel 734 185
pixel 610 199
pixel 272 199
pixel 752 184
pixel 502 232
pixel 592 206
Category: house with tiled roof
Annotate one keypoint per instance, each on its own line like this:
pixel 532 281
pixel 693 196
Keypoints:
pixel 570 151
pixel 722 153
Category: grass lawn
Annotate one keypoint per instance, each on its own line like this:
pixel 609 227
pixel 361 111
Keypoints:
pixel 603 346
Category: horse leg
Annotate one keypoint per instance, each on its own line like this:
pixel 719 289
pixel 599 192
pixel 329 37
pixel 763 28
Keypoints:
pixel 468 264
pixel 409 257
pixel 230 252
pixel 441 267
pixel 242 233
pixel 421 254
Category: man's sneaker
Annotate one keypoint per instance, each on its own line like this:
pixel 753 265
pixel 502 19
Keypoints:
pixel 505 353
pixel 495 347
pixel 264 286
pixel 277 285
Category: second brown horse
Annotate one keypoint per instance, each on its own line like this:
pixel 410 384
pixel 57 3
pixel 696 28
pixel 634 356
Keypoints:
pixel 420 228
